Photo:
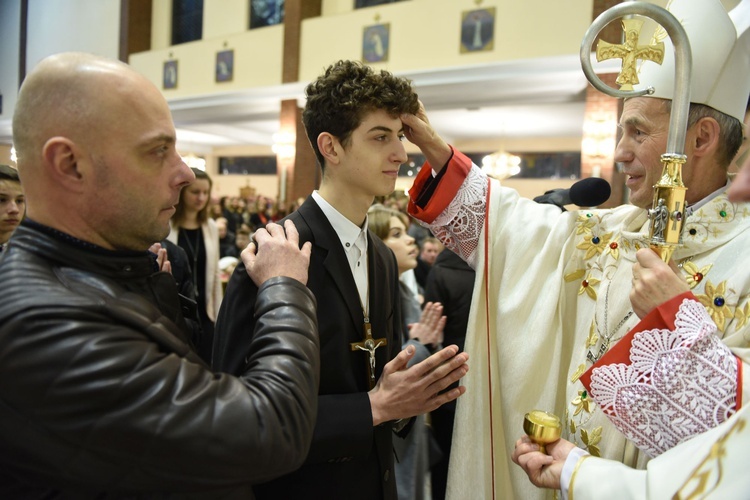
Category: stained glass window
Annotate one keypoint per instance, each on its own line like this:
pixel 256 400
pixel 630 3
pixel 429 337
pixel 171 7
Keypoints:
pixel 187 21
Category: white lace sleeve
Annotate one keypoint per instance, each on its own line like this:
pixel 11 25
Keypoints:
pixel 460 225
pixel 680 383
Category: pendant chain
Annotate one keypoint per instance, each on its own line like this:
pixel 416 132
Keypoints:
pixel 194 251
pixel 607 337
pixel 366 305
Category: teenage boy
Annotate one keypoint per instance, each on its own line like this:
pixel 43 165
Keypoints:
pixel 352 120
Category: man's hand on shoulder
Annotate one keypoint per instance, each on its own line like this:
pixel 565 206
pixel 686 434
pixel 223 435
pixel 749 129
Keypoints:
pixel 274 253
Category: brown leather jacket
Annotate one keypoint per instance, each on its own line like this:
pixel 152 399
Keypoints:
pixel 101 395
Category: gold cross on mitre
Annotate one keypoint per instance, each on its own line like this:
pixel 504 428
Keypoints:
pixel 630 52
pixel 369 345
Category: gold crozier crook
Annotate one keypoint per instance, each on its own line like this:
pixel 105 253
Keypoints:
pixel 667 212
pixel 630 52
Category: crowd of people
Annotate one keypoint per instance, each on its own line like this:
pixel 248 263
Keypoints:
pixel 335 361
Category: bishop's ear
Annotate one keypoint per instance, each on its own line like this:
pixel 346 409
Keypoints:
pixel 707 136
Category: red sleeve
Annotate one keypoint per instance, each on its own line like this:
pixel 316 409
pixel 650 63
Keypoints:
pixel 456 171
pixel 739 383
pixel 661 317
pixel 662 384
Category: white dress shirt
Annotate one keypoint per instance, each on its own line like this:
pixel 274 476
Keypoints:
pixel 354 241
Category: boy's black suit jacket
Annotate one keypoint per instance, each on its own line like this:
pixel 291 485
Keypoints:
pixel 348 458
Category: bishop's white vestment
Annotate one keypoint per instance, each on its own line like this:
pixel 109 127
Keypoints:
pixel 551 289
pixel 711 465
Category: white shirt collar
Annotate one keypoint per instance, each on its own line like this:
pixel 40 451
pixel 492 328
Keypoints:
pixel 347 231
pixel 354 241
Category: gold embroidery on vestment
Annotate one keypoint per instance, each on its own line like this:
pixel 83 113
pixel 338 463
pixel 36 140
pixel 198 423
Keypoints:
pixel 716 303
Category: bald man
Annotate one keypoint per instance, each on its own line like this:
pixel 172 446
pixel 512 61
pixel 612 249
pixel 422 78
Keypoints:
pixel 101 394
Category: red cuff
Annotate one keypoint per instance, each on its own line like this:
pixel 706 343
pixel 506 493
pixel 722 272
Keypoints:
pixel 662 316
pixel 738 397
pixel 458 169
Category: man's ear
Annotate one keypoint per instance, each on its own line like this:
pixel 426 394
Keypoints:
pixel 61 157
pixel 706 136
pixel 330 147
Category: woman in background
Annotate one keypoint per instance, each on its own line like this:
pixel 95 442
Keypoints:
pixel 259 214
pixel 198 235
pixel 413 452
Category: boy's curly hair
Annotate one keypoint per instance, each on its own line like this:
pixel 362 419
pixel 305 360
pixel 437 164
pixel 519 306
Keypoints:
pixel 338 100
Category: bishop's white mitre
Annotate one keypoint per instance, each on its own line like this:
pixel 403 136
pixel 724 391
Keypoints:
pixel 720 43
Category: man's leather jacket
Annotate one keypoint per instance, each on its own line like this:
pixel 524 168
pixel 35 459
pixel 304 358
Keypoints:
pixel 101 395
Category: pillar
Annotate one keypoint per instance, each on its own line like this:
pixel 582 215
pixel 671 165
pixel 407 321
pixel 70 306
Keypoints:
pixel 135 27
pixel 299 173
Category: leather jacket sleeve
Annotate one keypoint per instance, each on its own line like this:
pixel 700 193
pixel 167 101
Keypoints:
pixel 91 396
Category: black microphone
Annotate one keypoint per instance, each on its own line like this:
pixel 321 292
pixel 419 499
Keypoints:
pixel 588 192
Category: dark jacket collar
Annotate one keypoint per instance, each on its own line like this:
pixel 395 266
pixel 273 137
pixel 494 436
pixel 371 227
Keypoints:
pixel 67 250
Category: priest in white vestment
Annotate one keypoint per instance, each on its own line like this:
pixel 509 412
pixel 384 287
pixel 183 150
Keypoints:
pixel 552 289
pixel 710 465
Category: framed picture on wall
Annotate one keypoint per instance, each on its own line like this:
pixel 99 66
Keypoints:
pixel 225 65
pixel 169 77
pixel 478 30
pixel 266 13
pixel 375 43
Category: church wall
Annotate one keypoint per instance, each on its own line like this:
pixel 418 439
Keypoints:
pixel 259 50
pixel 426 35
pixel 10 13
pixel 161 25
pixel 220 18
pixel 230 185
pixel 72 25
pixel 333 7
pixel 225 17
pixel 53 26
pixel 5 155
